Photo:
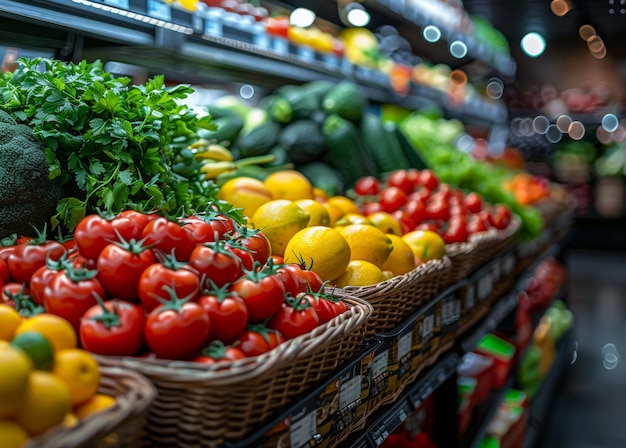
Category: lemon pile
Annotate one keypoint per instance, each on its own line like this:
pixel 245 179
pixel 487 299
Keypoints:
pixel 46 381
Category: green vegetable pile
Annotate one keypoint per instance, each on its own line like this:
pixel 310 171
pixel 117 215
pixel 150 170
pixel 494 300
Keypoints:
pixel 433 138
pixel 109 143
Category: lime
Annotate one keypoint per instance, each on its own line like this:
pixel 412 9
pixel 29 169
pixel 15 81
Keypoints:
pixel 37 347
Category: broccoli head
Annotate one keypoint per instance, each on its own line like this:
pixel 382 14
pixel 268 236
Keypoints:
pixel 27 196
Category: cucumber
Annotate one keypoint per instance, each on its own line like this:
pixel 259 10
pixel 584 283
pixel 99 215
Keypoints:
pixel 382 144
pixel 259 140
pixel 303 140
pixel 303 104
pixel 324 177
pixel 227 130
pixel 346 150
pixel 345 100
pixel 410 152
pixel 277 107
pixel 281 157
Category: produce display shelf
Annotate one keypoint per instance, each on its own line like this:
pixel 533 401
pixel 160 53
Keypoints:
pixel 541 402
pixel 201 48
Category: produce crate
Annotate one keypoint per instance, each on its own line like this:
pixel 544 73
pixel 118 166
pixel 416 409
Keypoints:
pixel 396 299
pixel 200 405
pixel 122 425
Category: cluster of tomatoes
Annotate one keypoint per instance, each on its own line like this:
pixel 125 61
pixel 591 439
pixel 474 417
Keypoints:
pixel 420 202
pixel 201 288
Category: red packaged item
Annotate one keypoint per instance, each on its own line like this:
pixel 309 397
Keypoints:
pixel 481 368
pixel 502 353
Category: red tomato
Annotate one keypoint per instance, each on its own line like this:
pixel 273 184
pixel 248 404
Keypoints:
pixel 486 218
pixel 220 222
pixel 416 209
pixel 324 308
pixel 402 180
pixel 422 195
pixel 93 233
pixel 245 255
pixel 258 339
pixel 215 262
pixel 253 240
pixel 308 280
pixel 199 231
pixel 120 266
pixel 290 279
pixel 428 225
pixel 414 176
pixel 140 220
pixel 218 352
pixel 473 202
pixel 71 293
pixel 168 236
pixel 113 328
pixel 227 312
pixel 42 277
pixel 475 225
pixel 5 251
pixel 5 276
pixel 501 216
pixel 11 291
pixel 456 231
pixel 428 179
pixel 295 318
pixel 25 259
pixel 177 330
pixel 392 198
pixel 367 208
pixel 438 210
pixel 263 293
pixel 367 186
pixel 406 222
pixel 156 278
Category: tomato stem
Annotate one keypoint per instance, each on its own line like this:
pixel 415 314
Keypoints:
pixel 9 241
pixel 77 275
pixel 24 304
pixel 107 318
pixel 174 303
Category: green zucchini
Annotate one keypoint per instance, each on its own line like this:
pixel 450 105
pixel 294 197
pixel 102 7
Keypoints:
pixel 277 107
pixel 303 140
pixel 382 144
pixel 259 140
pixel 410 152
pixel 227 130
pixel 323 176
pixel 345 100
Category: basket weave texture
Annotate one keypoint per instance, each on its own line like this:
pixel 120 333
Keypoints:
pixel 396 299
pixel 205 406
pixel 122 425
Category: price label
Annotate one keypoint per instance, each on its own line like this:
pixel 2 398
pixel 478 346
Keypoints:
pixel 380 435
pixel 281 46
pixel 349 391
pixel 261 40
pixel 302 431
pixel 470 297
pixel 485 286
pixel 213 28
pixel 159 10
pixel 402 415
pixel 380 364
pixel 330 61
pixel 305 53
pixel 428 327
pixel 496 271
pixel 404 345
pixel 508 264
pixel 122 4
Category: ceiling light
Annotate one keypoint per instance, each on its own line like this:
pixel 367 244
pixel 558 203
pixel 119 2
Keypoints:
pixel 356 15
pixel 431 33
pixel 576 130
pixel 495 88
pixel 560 7
pixel 458 49
pixel 586 32
pixel 610 122
pixel 533 44
pixel 541 124
pixel 553 135
pixel 563 122
pixel 302 17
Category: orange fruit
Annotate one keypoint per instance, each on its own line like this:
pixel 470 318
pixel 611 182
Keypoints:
pixel 319 195
pixel 12 435
pixel 279 220
pixel 360 273
pixel 323 248
pixel 80 373
pixel 246 193
pixel 318 215
pixel 16 369
pixel 55 329
pixel 289 184
pixel 367 243
pixel 426 244
pixel 9 321
pixel 385 222
pixel 46 404
pixel 95 404
pixel 401 259
pixel 346 204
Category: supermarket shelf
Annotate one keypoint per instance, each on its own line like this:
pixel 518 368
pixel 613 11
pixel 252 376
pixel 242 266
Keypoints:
pixel 203 48
pixel 541 402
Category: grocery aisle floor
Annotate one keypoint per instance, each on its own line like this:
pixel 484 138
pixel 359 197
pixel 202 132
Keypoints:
pixel 588 410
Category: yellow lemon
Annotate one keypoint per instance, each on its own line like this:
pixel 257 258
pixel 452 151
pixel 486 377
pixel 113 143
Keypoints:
pixel 55 329
pixel 12 435
pixel 323 248
pixel 95 404
pixel 279 220
pixel 80 373
pixel 334 212
pixel 352 218
pixel 289 184
pixel 367 243
pixel 319 195
pixel 401 260
pixel 426 244
pixel 388 274
pixel 385 222
pixel 346 204
pixel 360 273
pixel 318 215
pixel 70 420
pixel 9 321
pixel 246 193
pixel 46 404
pixel 16 369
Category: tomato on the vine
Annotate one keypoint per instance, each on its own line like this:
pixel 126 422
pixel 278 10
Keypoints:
pixel 475 224
pixel 392 198
pixel 42 277
pixel 140 220
pixel 428 179
pixel 438 209
pixel 326 307
pixel 402 180
pixel 226 310
pixel 220 222
pixel 295 318
pixel 218 352
pixel 367 208
pixel 113 328
pixel 456 231
pixel 501 216
pixel 367 186
pixel 178 329
pixel 416 209
pixel 25 259
pixel 94 232
pixel 171 273
pixel 167 236
pixel 120 266
pixel 257 339
pixel 254 241
pixel 198 230
pixel 5 276
pixel 215 262
pixel 473 202
pixel 71 292
pixel 11 290
pixel 262 291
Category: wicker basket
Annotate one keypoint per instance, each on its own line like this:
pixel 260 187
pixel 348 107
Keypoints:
pixel 201 405
pixel 396 299
pixel 122 425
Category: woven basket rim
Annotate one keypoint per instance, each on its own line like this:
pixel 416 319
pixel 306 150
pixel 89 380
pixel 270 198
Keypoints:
pixel 234 372
pixel 138 394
